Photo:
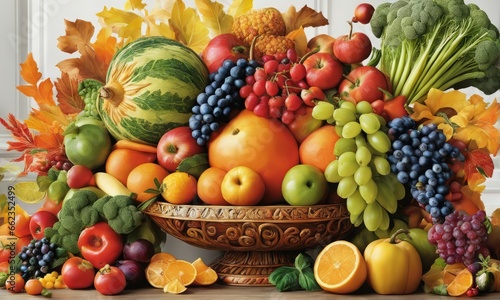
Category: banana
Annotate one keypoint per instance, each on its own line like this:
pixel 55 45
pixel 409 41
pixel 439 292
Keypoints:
pixel 110 184
pixel 373 215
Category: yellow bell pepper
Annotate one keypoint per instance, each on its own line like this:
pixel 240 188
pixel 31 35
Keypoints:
pixel 394 266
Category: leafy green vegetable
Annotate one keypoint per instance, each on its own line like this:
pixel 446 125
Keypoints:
pixel 436 44
pixel 300 276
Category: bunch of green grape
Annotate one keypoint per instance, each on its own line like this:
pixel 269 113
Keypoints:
pixel 361 169
pixel 89 90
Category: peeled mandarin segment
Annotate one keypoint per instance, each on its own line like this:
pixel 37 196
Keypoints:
pixel 182 270
pixel 340 268
pixel 462 282
pixel 156 273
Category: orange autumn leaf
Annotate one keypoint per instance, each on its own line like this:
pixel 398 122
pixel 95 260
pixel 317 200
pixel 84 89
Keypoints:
pixel 40 92
pixel 67 95
pixel 305 17
pixel 88 65
pixel 477 167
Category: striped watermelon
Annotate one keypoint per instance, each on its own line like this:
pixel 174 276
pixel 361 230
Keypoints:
pixel 151 85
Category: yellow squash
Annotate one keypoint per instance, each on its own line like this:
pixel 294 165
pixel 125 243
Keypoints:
pixel 394 266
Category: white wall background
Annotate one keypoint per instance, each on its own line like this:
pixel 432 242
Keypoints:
pixel 34 26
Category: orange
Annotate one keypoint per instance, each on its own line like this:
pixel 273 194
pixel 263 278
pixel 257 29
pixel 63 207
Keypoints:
pixel 22 222
pixel 462 282
pixel 156 273
pixel 166 257
pixel 242 186
pixel 174 287
pixel 182 270
pixel 209 186
pixel 121 161
pixel 205 275
pixel 265 145
pixel 142 178
pixel 495 217
pixel 317 148
pixel 179 187
pixel 33 287
pixel 340 268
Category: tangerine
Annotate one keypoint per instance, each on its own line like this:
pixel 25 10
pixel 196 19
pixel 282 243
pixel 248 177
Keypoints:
pixel 265 145
pixel 205 275
pixel 166 257
pixel 121 162
pixel 174 287
pixel 179 188
pixel 182 270
pixel 340 268
pixel 142 178
pixel 461 283
pixel 209 186
pixel 317 147
pixel 156 273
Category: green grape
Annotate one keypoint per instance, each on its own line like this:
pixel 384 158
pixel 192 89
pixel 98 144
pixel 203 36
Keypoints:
pixel 347 164
pixel 332 172
pixel 379 141
pixel 398 188
pixel 381 164
pixel 362 175
pixel 360 141
pixel 381 119
pixel 346 187
pixel 364 107
pixel 343 145
pixel 363 155
pixel 323 110
pixel 343 115
pixel 369 191
pixel 88 90
pixel 356 220
pixel 351 130
pixel 330 121
pixel 372 216
pixel 385 196
pixel 369 123
pixel 338 129
pixel 386 221
pixel 355 203
pixel 348 105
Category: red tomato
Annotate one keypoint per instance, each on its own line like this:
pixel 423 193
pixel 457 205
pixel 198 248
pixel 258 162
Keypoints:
pixel 110 280
pixel 100 244
pixel 77 273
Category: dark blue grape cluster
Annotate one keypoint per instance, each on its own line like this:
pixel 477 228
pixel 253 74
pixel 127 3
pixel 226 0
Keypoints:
pixel 36 258
pixel 220 97
pixel 419 157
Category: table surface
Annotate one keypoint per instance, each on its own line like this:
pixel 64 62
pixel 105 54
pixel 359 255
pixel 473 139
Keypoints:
pixel 222 292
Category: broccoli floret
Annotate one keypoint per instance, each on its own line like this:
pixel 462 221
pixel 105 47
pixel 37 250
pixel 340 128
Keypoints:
pixel 486 54
pixel 455 9
pixel 488 83
pixel 120 213
pixel 76 214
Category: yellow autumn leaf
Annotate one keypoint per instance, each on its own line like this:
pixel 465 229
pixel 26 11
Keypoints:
pixel 125 24
pixel 298 36
pixel 214 16
pixel 239 7
pixel 188 27
pixel 134 4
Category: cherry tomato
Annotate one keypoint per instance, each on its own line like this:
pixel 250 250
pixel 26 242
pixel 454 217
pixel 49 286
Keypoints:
pixel 77 273
pixel 14 284
pixel 110 280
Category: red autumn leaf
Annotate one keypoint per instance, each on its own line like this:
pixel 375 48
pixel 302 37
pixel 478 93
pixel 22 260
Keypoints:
pixel 479 160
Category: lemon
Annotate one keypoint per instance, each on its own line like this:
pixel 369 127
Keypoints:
pixel 28 192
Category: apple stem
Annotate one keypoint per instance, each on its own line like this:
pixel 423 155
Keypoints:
pixel 303 58
pixel 252 47
pixel 350 30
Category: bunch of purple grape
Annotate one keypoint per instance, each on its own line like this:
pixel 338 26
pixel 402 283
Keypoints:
pixel 461 237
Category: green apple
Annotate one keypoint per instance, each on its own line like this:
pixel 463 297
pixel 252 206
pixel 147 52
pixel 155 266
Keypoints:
pixel 304 185
pixel 427 251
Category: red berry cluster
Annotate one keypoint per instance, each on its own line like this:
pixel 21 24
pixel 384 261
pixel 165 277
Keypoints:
pixel 59 161
pixel 273 91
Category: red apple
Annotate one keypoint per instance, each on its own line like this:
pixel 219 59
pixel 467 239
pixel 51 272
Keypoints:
pixel 323 70
pixel 363 13
pixel 363 83
pixel 304 124
pixel 41 220
pixel 176 145
pixel 322 42
pixel 80 176
pixel 223 46
pixel 352 48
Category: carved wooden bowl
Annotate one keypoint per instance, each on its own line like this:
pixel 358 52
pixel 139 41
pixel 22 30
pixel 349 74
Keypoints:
pixel 257 239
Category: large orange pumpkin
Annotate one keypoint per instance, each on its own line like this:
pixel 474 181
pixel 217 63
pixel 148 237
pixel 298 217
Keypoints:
pixel 265 145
